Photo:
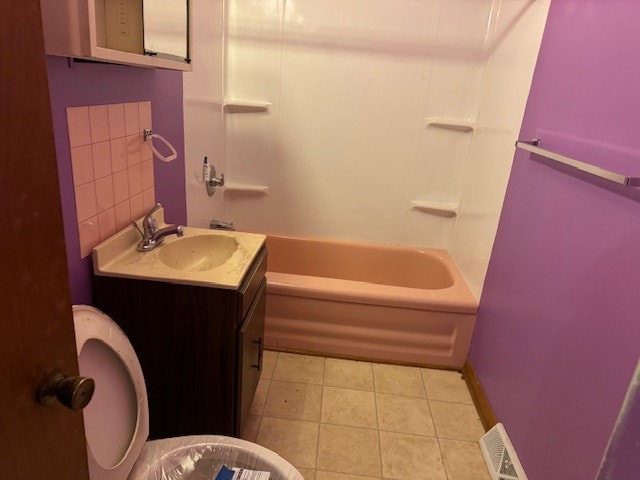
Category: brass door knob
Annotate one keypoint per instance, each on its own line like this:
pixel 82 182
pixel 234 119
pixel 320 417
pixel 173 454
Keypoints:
pixel 72 392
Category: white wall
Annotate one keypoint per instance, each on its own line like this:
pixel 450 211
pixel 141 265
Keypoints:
pixel 350 139
pixel 203 97
pixel 344 147
pixel 513 45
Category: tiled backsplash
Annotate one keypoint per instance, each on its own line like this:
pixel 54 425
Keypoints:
pixel 112 168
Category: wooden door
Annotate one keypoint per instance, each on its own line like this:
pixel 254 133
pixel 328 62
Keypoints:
pixel 36 327
pixel 621 459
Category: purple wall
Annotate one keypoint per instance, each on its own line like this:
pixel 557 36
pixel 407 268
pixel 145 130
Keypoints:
pixel 76 84
pixel 558 332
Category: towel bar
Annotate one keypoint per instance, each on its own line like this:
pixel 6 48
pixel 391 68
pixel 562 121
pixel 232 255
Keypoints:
pixel 582 166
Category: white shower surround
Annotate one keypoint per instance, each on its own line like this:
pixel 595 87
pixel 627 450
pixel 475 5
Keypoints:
pixel 347 144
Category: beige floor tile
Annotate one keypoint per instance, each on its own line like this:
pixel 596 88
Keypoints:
pixel 445 385
pixel 398 380
pixel 299 368
pixel 341 476
pixel 307 473
pixel 260 398
pixel 297 401
pixel 294 440
pixel 398 413
pixel 348 450
pixel 463 460
pixel 250 432
pixel 409 457
pixel 268 363
pixel 343 406
pixel 456 421
pixel 348 374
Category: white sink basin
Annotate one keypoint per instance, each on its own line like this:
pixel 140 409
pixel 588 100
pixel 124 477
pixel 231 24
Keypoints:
pixel 198 253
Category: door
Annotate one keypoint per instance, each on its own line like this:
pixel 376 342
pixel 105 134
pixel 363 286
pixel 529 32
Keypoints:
pixel 621 460
pixel 36 328
pixel 250 351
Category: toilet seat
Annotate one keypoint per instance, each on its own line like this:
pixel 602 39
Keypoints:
pixel 117 418
pixel 100 341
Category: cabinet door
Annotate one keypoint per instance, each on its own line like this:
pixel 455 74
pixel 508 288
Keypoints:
pixel 250 348
pixel 185 337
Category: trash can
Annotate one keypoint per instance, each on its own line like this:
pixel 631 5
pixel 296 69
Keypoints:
pixel 201 458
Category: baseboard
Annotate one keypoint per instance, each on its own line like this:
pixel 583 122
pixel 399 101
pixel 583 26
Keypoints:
pixel 487 417
pixel 315 353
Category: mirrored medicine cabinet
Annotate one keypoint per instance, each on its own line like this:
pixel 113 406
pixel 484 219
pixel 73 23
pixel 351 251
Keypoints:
pixel 149 33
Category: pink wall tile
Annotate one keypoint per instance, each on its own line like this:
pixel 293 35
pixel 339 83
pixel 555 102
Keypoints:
pixel 135 179
pixel 144 109
pixel 89 236
pixel 145 151
pixel 148 198
pixel 121 186
pixel 147 174
pixel 101 159
pixel 112 166
pixel 78 126
pixel 131 118
pixel 137 206
pixel 107 223
pixel 123 214
pixel 133 150
pixel 118 154
pixel 116 120
pixel 86 201
pixel 104 193
pixel 99 122
pixel 82 165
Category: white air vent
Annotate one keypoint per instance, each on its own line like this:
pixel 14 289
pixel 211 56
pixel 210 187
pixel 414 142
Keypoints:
pixel 500 456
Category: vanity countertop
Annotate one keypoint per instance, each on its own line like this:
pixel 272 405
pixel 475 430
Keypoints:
pixel 118 257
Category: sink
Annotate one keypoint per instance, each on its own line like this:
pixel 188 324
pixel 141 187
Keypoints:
pixel 203 257
pixel 197 253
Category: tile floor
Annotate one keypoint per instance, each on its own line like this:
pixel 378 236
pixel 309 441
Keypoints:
pixel 346 420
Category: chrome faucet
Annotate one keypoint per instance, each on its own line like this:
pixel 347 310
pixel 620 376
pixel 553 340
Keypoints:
pixel 152 236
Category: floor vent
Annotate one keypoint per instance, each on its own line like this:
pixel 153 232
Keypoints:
pixel 500 456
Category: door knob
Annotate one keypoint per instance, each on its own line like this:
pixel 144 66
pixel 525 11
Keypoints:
pixel 73 392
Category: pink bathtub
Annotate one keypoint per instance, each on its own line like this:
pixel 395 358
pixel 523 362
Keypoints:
pixel 367 301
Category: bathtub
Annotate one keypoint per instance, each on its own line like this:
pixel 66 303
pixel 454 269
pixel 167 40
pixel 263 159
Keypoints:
pixel 367 301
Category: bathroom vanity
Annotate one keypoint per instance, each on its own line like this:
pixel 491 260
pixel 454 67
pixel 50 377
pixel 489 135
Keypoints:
pixel 199 342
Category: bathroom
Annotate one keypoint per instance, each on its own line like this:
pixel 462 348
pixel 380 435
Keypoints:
pixel 563 251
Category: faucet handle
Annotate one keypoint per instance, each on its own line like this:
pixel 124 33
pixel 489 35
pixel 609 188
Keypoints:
pixel 150 224
pixel 153 210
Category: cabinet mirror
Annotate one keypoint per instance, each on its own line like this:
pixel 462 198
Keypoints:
pixel 166 29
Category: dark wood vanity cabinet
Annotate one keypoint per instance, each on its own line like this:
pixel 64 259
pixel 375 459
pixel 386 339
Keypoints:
pixel 200 348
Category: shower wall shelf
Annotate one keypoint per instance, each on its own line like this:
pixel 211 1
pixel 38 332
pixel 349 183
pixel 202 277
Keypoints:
pixel 246 188
pixel 463 126
pixel 533 147
pixel 246 106
pixel 447 210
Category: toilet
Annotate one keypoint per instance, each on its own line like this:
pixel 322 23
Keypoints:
pixel 117 419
